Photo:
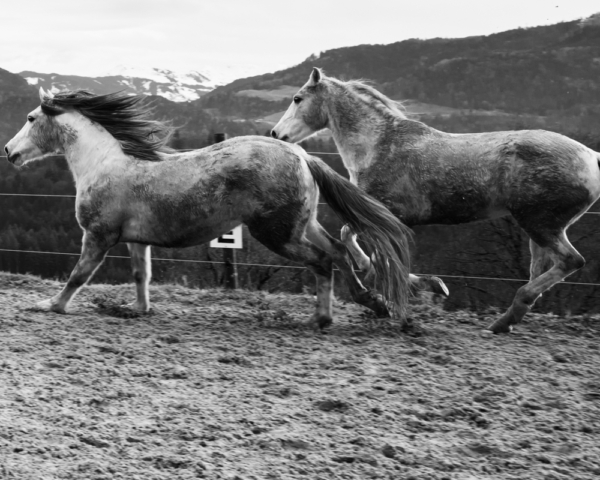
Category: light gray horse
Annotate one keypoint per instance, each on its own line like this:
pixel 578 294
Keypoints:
pixel 546 181
pixel 129 190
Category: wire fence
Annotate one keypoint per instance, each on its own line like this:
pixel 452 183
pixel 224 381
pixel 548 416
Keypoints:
pixel 442 275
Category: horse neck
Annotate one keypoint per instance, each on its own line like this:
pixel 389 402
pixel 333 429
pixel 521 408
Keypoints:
pixel 89 149
pixel 356 127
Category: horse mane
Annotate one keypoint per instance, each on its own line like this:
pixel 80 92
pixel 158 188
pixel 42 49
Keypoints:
pixel 362 88
pixel 123 116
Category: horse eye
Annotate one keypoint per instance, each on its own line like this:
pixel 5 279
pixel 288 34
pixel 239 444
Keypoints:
pixel 30 118
pixel 297 100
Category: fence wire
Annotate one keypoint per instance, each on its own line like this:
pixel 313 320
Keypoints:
pixel 466 277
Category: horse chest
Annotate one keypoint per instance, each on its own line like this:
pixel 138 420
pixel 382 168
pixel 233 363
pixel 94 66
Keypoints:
pixel 93 216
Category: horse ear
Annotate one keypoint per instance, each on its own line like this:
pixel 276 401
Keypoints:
pixel 315 76
pixel 44 95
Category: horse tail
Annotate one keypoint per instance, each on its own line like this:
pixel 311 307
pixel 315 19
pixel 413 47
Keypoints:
pixel 384 235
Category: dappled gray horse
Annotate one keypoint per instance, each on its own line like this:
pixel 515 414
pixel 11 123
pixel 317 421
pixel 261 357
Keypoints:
pixel 130 190
pixel 546 181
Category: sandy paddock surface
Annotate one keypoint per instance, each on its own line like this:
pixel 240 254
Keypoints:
pixel 233 385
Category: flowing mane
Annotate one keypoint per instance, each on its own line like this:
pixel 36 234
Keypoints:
pixel 362 88
pixel 123 116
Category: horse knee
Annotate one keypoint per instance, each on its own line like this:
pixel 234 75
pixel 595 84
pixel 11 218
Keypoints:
pixel 138 276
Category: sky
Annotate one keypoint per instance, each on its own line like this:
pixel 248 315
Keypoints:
pixel 241 37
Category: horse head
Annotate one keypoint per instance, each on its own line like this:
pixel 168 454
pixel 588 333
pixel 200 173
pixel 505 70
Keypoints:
pixel 39 138
pixel 307 114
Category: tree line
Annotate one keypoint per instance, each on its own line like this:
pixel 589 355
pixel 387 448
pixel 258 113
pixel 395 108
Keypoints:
pixel 496 248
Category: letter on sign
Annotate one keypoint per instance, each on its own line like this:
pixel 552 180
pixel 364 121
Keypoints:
pixel 231 239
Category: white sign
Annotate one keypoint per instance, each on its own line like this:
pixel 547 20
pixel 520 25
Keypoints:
pixel 231 239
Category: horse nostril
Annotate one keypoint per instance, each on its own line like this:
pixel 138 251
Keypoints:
pixel 6 150
pixel 273 133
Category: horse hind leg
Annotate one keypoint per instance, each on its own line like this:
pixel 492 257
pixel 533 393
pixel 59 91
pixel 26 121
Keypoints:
pixel 321 265
pixel 427 283
pixel 142 273
pixel 565 261
pixel 299 249
pixel 360 294
pixel 362 260
pixel 417 282
pixel 540 261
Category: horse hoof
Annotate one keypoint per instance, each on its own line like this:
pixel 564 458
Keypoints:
pixel 375 302
pixel 324 321
pixel 320 322
pixel 436 285
pixel 138 307
pixel 49 306
pixel 500 327
pixel 380 308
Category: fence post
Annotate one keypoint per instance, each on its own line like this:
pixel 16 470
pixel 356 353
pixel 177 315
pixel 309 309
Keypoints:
pixel 229 265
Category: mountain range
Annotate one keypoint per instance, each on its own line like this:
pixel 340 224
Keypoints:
pixel 540 77
pixel 173 86
pixel 548 71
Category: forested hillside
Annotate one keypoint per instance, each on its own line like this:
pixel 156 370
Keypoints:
pixel 550 71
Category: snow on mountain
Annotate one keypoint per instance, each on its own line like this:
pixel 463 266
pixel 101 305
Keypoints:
pixel 175 86
pixel 228 73
pixel 162 75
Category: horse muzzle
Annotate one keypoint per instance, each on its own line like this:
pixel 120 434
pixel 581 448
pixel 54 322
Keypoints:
pixel 285 138
pixel 12 158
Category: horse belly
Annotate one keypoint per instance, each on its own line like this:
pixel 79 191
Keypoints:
pixel 183 228
pixel 463 206
pixel 421 203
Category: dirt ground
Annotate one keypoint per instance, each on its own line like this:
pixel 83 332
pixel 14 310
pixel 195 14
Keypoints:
pixel 233 385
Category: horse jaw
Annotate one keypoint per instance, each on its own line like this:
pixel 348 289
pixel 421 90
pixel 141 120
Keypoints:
pixel 23 150
pixel 292 129
pixel 27 154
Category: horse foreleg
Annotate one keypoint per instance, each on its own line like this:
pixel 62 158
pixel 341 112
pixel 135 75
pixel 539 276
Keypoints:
pixel 360 294
pixel 142 273
pixel 565 259
pixel 427 283
pixel 362 260
pixel 323 316
pixel 92 255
